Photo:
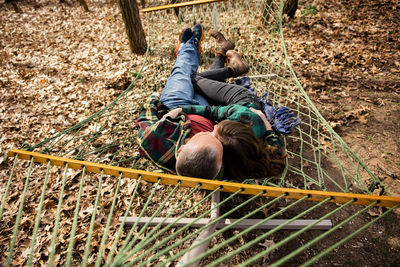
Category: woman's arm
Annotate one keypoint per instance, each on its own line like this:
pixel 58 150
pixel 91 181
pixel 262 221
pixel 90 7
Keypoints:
pixel 272 139
pixel 234 113
pixel 262 116
pixel 275 145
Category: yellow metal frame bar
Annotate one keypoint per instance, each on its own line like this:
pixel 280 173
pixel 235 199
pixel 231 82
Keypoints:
pixel 169 179
pixel 190 3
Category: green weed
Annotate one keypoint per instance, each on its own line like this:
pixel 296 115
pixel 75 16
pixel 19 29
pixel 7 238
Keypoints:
pixel 309 10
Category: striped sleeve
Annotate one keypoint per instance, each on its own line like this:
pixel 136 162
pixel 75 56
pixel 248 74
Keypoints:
pixel 149 114
pixel 275 143
pixel 233 112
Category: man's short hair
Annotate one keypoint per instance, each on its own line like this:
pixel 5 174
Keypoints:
pixel 194 161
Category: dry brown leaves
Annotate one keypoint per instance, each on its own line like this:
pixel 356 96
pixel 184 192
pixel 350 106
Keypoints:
pixel 59 64
pixel 347 56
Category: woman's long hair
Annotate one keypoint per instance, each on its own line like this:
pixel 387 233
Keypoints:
pixel 244 155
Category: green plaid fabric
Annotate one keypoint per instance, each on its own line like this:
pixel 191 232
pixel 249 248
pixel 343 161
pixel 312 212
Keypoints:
pixel 240 113
pixel 160 139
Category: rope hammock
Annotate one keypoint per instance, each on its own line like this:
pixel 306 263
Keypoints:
pixel 318 157
pixel 123 214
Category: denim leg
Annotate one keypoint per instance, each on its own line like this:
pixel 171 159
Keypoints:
pixel 179 90
pixel 201 100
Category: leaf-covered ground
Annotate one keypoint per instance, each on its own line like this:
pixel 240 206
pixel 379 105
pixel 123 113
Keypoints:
pixel 347 56
pixel 58 64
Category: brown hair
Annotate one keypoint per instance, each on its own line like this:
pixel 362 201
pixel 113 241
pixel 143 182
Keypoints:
pixel 244 155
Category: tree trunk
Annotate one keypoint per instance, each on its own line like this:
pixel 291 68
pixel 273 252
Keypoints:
pixel 290 8
pixel 176 10
pixel 14 5
pixel 133 26
pixel 83 3
pixel 267 9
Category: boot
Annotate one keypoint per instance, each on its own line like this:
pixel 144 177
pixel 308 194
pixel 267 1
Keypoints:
pixel 197 37
pixel 236 64
pixel 183 38
pixel 221 44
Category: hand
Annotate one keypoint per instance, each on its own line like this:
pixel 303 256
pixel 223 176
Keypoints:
pixel 156 95
pixel 172 114
pixel 262 116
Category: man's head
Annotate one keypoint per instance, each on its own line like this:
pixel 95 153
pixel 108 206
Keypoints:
pixel 200 157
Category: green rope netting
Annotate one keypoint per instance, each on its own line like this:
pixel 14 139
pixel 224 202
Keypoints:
pixel 98 239
pixel 317 157
pixel 80 218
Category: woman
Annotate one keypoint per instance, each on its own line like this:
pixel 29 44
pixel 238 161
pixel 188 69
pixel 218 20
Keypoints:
pixel 244 153
pixel 245 156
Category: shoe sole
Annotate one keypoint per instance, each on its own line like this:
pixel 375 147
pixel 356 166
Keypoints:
pixel 179 44
pixel 201 38
pixel 232 66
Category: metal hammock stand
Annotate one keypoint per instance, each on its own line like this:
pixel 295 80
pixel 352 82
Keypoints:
pixel 124 215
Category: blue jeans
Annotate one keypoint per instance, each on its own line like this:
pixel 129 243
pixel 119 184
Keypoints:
pixel 179 89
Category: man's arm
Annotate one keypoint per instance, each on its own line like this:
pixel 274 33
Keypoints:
pixel 149 113
pixel 172 114
pixel 159 135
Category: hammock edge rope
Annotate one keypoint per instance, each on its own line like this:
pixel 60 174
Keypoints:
pixel 169 179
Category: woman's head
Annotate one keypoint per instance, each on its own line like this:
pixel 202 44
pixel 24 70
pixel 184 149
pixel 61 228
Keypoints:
pixel 244 155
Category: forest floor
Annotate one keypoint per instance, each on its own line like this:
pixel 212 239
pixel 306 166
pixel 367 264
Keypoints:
pixel 59 63
pixel 347 57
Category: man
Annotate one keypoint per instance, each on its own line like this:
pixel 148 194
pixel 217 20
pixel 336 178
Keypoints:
pixel 170 138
